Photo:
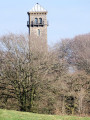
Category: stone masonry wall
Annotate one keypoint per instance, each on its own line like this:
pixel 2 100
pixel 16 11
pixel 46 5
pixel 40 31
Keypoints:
pixel 38 43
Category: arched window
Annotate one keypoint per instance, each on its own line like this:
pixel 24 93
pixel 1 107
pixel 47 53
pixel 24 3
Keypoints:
pixel 36 20
pixel 40 20
pixel 38 32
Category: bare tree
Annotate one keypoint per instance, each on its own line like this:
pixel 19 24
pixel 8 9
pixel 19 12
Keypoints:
pixel 40 81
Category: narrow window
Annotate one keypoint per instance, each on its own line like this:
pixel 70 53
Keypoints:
pixel 40 20
pixel 36 20
pixel 38 32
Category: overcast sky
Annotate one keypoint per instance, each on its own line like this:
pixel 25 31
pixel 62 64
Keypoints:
pixel 67 18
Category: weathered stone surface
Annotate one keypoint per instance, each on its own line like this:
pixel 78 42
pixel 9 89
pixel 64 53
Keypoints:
pixel 38 33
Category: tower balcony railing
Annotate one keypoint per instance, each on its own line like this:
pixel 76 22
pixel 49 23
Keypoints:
pixel 37 23
pixel 28 23
pixel 47 23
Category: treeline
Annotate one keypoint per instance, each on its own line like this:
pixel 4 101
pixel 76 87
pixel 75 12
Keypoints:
pixel 53 82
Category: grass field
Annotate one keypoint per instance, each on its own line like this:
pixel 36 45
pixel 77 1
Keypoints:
pixel 15 115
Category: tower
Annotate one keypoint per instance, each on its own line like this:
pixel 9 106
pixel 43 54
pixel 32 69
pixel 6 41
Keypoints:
pixel 37 25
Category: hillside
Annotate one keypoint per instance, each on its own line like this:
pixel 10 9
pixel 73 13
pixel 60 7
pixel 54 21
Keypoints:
pixel 15 115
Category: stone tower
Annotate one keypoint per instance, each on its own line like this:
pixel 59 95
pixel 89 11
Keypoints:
pixel 37 25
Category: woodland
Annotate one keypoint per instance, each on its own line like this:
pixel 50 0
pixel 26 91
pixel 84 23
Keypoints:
pixel 52 82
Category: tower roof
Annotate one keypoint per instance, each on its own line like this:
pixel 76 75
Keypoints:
pixel 38 8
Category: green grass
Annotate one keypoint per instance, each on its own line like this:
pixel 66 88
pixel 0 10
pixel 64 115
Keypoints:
pixel 15 115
